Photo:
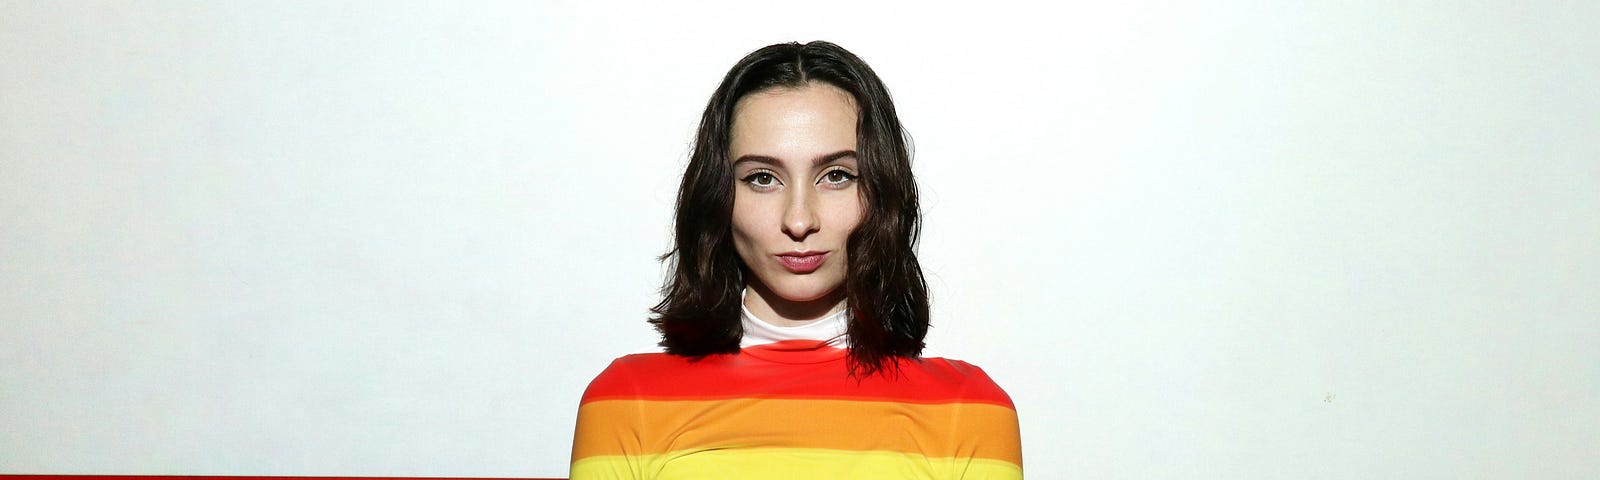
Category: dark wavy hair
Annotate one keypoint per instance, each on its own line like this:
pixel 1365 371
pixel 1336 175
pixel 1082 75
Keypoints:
pixel 886 294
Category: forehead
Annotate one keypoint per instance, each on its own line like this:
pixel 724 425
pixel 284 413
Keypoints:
pixel 799 121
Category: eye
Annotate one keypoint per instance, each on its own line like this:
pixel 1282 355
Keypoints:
pixel 837 177
pixel 761 180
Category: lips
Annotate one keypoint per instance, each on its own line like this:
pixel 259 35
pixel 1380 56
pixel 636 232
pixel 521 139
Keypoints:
pixel 802 262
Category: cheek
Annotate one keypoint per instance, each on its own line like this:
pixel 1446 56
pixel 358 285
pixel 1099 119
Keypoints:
pixel 751 219
pixel 742 220
pixel 846 215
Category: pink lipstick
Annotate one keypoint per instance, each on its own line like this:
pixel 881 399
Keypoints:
pixel 802 262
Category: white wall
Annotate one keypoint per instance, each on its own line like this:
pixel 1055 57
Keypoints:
pixel 1242 240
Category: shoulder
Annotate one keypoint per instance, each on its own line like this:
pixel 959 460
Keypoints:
pixel 652 374
pixel 619 378
pixel 952 380
pixel 644 361
pixel 973 384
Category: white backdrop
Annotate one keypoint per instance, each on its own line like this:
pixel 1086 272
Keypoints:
pixel 1239 240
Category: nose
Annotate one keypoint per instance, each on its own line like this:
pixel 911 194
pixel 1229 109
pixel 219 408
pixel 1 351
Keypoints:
pixel 800 214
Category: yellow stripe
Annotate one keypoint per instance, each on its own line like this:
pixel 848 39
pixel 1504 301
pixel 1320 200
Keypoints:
pixel 790 463
pixel 641 427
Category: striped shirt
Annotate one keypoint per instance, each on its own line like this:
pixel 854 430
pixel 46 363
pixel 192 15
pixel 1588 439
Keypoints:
pixel 788 409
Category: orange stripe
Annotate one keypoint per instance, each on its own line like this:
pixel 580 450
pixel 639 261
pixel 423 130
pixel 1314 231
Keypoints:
pixel 644 427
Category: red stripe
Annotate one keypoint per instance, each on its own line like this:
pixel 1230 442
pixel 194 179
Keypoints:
pixel 659 376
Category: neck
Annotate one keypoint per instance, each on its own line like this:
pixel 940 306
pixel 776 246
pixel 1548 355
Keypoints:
pixel 772 308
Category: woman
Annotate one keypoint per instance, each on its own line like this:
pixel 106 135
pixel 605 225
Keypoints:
pixel 794 318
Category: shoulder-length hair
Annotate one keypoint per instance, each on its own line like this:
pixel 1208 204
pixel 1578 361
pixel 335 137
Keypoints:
pixel 886 294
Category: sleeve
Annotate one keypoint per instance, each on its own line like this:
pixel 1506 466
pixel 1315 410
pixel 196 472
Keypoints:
pixel 606 444
pixel 987 431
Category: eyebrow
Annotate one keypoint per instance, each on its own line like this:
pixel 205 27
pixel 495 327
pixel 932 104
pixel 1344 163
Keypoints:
pixel 815 162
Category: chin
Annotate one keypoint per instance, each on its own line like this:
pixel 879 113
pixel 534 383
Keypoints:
pixel 802 290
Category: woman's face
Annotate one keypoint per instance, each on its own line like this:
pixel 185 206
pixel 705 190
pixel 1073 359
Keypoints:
pixel 796 200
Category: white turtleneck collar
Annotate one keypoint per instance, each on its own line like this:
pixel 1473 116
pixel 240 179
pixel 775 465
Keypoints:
pixel 830 329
